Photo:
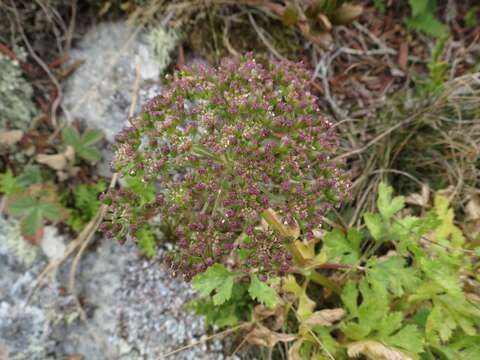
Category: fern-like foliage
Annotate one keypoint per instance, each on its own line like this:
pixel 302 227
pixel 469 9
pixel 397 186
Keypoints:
pixel 85 204
pixel 403 296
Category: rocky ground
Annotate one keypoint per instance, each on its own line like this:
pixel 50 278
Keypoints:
pixel 134 308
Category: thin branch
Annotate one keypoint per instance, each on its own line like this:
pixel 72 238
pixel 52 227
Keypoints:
pixel 262 37
pixel 198 342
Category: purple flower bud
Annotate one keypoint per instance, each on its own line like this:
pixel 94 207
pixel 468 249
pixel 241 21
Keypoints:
pixel 284 268
pixel 228 246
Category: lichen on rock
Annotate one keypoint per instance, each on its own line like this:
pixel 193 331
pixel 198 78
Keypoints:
pixel 16 106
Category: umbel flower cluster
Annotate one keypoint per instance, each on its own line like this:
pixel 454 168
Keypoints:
pixel 222 145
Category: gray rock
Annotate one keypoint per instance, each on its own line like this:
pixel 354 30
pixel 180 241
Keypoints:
pixel 134 308
pixel 100 91
pixel 52 243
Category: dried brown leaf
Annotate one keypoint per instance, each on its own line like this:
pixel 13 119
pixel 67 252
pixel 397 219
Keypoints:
pixel 420 199
pixel 471 226
pixel 57 161
pixel 325 317
pixel 294 351
pixel 304 27
pixel 263 336
pixel 69 154
pixel 472 209
pixel 375 350
pixel 277 315
pixel 10 137
pixel 261 312
pixel 324 22
pixel 323 39
pixel 346 13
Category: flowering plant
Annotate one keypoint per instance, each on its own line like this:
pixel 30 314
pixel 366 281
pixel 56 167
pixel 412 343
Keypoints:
pixel 229 149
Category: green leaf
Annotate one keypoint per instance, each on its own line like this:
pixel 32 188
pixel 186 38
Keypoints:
pixel 142 189
pixel 22 205
pixel 86 204
pixel 447 232
pixel 9 183
pixel 71 136
pixel 88 153
pixel 374 225
pixel 418 7
pixel 91 137
pixel 86 198
pixel 446 278
pixel 50 211
pixel 465 347
pixel 393 274
pixel 439 326
pixel 375 303
pixel 262 292
pixel 217 279
pixel 32 222
pixel 373 319
pixel 356 331
pixel 36 205
pixel 224 292
pixel 30 175
pixel 391 323
pixel 236 309
pixel 345 249
pixel 370 314
pixel 408 338
pixel 327 340
pixel 222 315
pixel 83 144
pixel 380 5
pixel 427 23
pixel 146 241
pixel 471 16
pixel 423 18
pixel 388 206
pixel 349 298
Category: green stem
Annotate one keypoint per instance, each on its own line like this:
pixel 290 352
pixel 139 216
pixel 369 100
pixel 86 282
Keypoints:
pixel 314 276
pixel 325 282
pixel 297 255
